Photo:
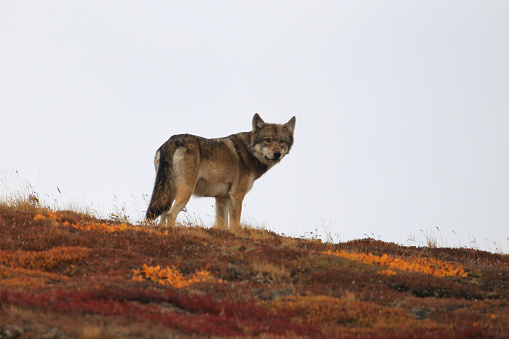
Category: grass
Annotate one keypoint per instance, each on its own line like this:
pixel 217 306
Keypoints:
pixel 434 238
pixel 66 273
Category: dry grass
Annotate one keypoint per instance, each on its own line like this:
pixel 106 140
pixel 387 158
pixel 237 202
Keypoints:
pixel 21 195
pixel 266 271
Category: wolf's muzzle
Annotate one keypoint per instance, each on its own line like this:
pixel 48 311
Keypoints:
pixel 276 154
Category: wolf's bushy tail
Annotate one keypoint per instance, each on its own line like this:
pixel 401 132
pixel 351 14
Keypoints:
pixel 163 194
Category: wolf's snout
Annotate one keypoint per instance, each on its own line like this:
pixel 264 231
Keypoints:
pixel 277 154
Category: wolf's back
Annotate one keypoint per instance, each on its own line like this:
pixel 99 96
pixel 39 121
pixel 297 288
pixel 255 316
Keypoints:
pixel 163 194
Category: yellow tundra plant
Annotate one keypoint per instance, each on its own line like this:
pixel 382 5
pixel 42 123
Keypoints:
pixel 436 267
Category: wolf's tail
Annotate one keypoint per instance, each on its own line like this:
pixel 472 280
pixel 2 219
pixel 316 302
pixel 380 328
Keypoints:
pixel 164 191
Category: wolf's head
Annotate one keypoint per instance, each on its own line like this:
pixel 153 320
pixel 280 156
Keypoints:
pixel 271 142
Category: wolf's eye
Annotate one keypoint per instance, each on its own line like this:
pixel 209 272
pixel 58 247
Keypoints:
pixel 267 139
pixel 281 141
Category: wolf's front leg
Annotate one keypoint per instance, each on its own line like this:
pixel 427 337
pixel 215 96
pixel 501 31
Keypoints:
pixel 235 211
pixel 222 208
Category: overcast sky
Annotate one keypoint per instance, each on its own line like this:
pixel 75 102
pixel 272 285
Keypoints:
pixel 402 107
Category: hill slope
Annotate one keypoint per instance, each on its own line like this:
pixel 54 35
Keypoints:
pixel 66 275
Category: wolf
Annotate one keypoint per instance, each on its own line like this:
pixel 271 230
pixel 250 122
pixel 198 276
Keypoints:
pixel 223 168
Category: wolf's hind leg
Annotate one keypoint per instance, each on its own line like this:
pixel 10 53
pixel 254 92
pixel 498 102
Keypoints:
pixel 185 175
pixel 222 208
pixel 164 219
pixel 184 193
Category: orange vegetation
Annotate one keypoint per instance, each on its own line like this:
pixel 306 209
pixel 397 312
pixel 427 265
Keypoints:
pixel 33 269
pixel 43 260
pixel 92 226
pixel 436 267
pixel 171 276
pixel 23 278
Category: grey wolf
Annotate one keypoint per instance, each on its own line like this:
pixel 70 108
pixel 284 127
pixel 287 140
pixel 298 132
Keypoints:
pixel 223 168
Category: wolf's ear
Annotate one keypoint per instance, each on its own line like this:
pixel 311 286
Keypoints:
pixel 258 122
pixel 290 125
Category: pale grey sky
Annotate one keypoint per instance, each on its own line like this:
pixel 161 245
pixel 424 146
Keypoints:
pixel 402 107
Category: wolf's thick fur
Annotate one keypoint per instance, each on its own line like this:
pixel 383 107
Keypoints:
pixel 224 168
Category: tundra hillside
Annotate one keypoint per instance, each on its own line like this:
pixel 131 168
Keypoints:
pixel 69 275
